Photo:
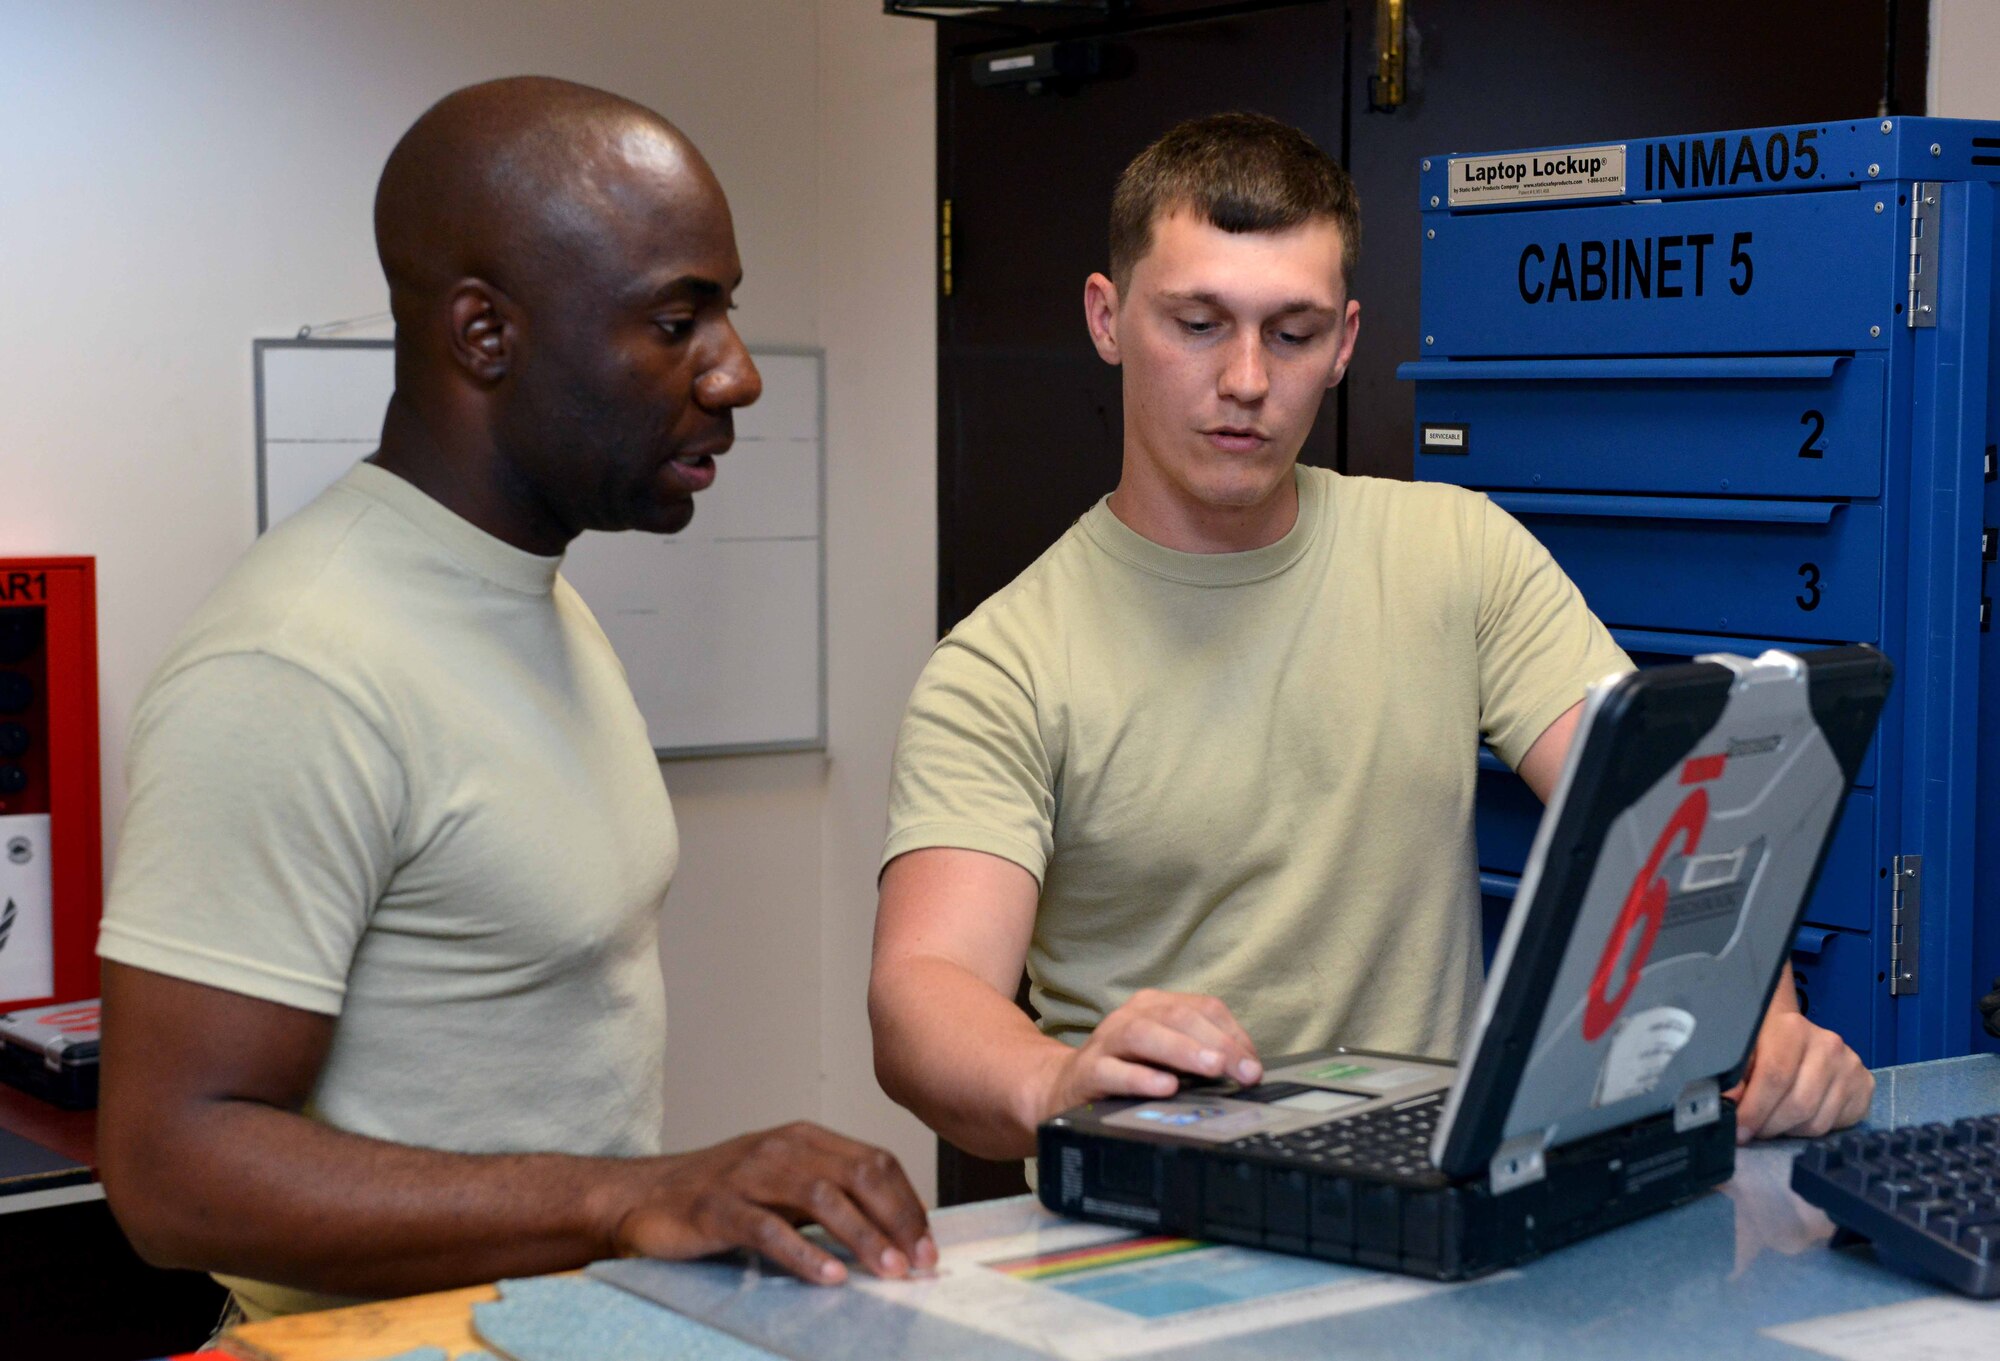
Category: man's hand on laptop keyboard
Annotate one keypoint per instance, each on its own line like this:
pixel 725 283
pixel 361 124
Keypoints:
pixel 1802 1079
pixel 1147 1046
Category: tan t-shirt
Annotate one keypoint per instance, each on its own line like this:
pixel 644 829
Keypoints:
pixel 392 773
pixel 1251 774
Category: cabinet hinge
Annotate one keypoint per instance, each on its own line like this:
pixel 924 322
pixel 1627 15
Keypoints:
pixel 1924 222
pixel 1906 904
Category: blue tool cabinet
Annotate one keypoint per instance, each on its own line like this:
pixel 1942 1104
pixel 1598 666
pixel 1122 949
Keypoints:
pixel 1743 385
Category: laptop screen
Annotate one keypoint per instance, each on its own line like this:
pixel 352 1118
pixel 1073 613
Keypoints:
pixel 1662 893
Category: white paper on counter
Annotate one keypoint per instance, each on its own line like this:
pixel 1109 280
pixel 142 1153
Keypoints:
pixel 1941 1328
pixel 1191 1294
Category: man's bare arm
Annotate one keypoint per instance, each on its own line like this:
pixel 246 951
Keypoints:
pixel 208 1163
pixel 951 937
pixel 1803 1079
pixel 1543 764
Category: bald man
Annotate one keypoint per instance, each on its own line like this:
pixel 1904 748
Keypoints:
pixel 383 1002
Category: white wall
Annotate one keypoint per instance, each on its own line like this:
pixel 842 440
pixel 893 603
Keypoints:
pixel 878 320
pixel 180 176
pixel 1965 48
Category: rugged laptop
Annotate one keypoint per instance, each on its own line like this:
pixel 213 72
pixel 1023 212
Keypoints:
pixel 1655 912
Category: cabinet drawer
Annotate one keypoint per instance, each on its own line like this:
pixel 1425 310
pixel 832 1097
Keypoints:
pixel 1809 570
pixel 1848 886
pixel 1771 274
pixel 1835 974
pixel 1791 425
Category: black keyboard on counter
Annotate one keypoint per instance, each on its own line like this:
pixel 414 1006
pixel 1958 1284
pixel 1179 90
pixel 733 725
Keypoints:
pixel 1927 1196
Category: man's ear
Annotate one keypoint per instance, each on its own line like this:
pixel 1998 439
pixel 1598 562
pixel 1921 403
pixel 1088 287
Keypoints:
pixel 485 329
pixel 1100 314
pixel 1350 331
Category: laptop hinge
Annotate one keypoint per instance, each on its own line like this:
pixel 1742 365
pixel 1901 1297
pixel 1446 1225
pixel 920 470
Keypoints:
pixel 1700 1103
pixel 1518 1162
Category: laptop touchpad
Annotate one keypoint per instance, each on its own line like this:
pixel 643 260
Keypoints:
pixel 1318 1100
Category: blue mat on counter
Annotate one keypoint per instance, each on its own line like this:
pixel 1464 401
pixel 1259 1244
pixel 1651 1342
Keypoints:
pixel 573 1318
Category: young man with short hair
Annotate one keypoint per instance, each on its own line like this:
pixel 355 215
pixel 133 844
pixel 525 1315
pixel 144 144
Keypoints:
pixel 1207 766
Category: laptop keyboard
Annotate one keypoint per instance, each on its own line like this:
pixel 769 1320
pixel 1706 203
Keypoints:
pixel 1927 1196
pixel 1391 1141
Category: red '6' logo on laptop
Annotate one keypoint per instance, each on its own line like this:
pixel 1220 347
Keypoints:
pixel 1646 904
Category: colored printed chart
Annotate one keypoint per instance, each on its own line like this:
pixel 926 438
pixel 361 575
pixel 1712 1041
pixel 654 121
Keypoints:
pixel 1049 1265
pixel 1088 1293
pixel 1209 1280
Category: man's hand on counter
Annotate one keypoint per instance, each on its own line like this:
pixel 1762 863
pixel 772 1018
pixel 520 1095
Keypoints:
pixel 1802 1078
pixel 753 1191
pixel 210 1162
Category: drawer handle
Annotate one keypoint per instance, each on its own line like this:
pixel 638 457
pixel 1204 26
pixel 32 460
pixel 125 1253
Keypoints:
pixel 1667 508
pixel 1791 366
pixel 1489 761
pixel 1691 645
pixel 1810 940
pixel 1499 885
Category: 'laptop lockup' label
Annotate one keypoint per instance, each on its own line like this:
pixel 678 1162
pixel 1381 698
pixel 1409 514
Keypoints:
pixel 1535 176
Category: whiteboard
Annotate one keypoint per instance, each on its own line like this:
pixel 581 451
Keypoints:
pixel 721 627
